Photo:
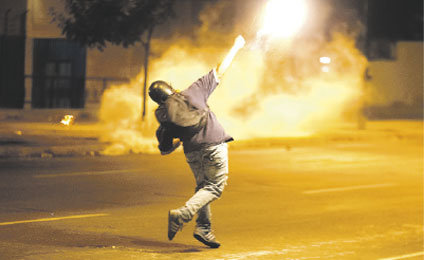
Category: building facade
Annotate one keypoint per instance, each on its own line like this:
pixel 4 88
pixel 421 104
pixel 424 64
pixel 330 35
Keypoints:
pixel 39 69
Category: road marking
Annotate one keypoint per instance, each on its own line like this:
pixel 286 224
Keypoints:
pixel 403 256
pixel 249 255
pixel 84 173
pixel 53 219
pixel 359 187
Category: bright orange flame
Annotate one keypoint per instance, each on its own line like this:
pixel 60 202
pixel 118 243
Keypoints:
pixel 283 18
pixel 67 120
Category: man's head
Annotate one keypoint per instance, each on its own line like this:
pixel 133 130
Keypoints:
pixel 160 90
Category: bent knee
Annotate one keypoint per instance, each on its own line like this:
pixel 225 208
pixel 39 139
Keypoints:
pixel 216 189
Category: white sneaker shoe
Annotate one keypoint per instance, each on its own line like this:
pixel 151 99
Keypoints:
pixel 205 235
pixel 175 223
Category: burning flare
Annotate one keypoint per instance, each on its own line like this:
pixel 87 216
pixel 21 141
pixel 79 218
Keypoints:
pixel 67 120
pixel 283 18
pixel 239 43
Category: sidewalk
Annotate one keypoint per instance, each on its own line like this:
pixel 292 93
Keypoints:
pixel 39 134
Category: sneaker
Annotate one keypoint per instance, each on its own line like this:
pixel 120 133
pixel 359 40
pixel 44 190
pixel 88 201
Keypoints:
pixel 175 223
pixel 206 236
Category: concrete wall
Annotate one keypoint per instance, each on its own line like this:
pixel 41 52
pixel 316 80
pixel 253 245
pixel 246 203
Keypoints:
pixel 10 16
pixel 113 61
pixel 399 80
pixel 396 87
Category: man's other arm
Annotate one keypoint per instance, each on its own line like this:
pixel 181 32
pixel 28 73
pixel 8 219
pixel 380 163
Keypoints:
pixel 165 140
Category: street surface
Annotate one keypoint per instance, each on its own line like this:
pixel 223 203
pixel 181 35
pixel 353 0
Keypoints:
pixel 344 199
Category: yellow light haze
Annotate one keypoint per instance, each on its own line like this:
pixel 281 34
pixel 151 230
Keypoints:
pixel 283 18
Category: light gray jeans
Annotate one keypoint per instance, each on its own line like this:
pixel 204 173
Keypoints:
pixel 210 168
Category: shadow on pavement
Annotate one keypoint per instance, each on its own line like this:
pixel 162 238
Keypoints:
pixel 163 247
pixel 45 236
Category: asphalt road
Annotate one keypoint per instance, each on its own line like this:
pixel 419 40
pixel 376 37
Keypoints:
pixel 347 200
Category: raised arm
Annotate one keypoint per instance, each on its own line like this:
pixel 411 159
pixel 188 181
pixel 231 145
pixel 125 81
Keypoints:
pixel 222 67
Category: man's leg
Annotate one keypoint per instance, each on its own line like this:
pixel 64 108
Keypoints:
pixel 203 231
pixel 216 169
pixel 210 168
pixel 215 173
pixel 176 217
pixel 203 197
pixel 204 216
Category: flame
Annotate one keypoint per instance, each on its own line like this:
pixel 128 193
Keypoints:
pixel 67 120
pixel 283 18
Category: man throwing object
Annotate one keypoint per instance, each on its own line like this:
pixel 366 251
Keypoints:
pixel 185 117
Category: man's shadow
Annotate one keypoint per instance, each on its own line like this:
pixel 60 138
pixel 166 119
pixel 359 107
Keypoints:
pixel 164 247
pixel 49 236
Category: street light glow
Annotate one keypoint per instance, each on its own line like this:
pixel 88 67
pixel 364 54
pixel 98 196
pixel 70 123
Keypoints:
pixel 283 18
pixel 325 69
pixel 325 60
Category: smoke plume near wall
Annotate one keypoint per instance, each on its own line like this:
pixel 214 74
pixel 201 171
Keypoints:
pixel 272 88
pixel 120 114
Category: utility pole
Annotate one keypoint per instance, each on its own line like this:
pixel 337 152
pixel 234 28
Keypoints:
pixel 146 45
pixel 364 43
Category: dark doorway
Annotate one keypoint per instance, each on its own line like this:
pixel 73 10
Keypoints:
pixel 12 58
pixel 59 74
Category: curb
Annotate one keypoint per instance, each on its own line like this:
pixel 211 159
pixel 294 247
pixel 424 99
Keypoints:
pixel 50 152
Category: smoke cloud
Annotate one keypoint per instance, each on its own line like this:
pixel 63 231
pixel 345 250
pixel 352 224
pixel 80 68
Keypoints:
pixel 272 89
pixel 120 114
